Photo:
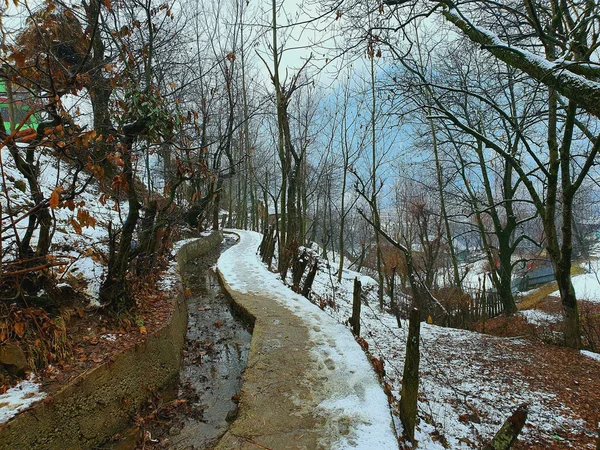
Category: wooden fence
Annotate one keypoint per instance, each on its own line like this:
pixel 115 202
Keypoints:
pixel 473 306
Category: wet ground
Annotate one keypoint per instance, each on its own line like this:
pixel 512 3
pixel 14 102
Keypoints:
pixel 197 412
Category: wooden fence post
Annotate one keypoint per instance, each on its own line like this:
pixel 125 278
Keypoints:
pixel 410 378
pixel 310 278
pixel 507 435
pixel 393 303
pixel 356 302
pixel 484 307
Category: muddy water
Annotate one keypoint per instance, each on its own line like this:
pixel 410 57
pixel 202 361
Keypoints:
pixel 197 412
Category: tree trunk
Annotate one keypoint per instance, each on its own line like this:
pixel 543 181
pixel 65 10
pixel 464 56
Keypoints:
pixel 374 163
pixel 572 334
pixel 440 186
pixel 410 378
pixel 114 291
pixel 298 268
pixel 504 276
pixel 310 278
pixel 342 223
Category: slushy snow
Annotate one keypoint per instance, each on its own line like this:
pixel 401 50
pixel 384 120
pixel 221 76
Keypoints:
pixel 18 398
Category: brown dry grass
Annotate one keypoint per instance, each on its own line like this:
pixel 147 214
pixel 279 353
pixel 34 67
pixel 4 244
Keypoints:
pixel 530 301
pixel 535 298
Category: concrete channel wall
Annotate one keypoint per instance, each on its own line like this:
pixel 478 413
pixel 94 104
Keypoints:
pixel 99 403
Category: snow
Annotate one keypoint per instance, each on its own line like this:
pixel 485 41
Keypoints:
pixel 18 398
pixel 592 355
pixel 109 337
pixel 170 277
pixel 462 372
pixel 177 245
pixel 351 391
pixel 475 273
pixel 83 252
pixel 586 287
pixel 540 318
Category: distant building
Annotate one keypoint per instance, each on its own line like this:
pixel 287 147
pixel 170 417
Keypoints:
pixel 16 101
pixel 534 274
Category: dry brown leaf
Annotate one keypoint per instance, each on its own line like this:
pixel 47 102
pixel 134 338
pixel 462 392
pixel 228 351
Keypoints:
pixel 19 328
pixel 55 198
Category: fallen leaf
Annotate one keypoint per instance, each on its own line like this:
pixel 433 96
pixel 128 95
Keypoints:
pixel 19 328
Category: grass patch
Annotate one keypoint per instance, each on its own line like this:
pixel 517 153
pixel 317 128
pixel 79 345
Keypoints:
pixel 530 301
pixel 577 269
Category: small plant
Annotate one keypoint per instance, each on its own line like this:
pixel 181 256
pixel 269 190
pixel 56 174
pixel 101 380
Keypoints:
pixel 590 326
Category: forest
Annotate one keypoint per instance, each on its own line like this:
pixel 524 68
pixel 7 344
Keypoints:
pixel 446 150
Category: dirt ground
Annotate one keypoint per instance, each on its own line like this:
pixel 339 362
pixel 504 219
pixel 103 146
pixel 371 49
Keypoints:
pixel 573 377
pixel 76 340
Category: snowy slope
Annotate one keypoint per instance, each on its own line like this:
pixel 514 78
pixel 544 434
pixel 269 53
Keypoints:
pixel 82 251
pixel 20 397
pixel 468 385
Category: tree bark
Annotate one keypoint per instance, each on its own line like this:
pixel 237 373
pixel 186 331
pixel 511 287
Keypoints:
pixel 575 87
pixel 310 278
pixel 410 378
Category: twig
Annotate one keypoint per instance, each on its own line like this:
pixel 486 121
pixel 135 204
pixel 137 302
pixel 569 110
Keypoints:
pixel 247 439
pixel 35 269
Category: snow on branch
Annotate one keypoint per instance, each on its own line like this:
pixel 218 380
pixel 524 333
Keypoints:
pixel 558 74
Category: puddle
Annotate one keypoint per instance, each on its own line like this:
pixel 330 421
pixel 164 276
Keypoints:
pixel 197 412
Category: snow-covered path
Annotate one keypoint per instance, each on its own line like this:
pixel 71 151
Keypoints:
pixel 330 381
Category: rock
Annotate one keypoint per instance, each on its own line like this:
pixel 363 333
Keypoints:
pixel 13 357
pixel 231 415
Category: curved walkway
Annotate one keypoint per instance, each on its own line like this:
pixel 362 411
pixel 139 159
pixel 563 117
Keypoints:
pixel 308 384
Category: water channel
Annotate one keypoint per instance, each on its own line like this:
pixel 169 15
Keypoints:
pixel 197 412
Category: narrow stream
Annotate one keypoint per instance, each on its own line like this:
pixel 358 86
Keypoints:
pixel 197 412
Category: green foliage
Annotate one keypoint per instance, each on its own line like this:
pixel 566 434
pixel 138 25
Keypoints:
pixel 149 107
